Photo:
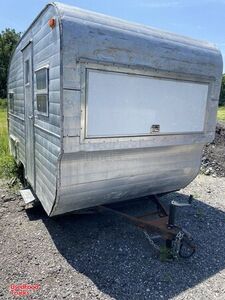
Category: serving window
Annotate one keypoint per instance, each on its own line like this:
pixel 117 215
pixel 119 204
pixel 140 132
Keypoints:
pixel 122 104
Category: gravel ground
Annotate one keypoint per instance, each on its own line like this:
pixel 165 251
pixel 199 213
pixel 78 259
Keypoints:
pixel 213 159
pixel 104 257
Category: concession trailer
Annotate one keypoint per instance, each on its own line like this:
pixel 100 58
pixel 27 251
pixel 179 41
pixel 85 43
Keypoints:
pixel 102 110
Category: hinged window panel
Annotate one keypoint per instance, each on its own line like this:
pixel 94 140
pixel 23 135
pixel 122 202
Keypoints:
pixel 121 104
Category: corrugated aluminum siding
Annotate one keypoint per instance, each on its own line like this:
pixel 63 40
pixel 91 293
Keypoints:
pixel 46 51
pixel 111 169
pixel 105 170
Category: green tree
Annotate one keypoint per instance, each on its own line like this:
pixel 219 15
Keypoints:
pixel 8 40
pixel 222 92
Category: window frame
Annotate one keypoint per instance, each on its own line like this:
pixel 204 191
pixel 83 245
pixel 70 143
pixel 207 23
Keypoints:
pixel 42 92
pixel 126 141
pixel 11 108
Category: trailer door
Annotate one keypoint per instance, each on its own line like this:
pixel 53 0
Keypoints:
pixel 29 113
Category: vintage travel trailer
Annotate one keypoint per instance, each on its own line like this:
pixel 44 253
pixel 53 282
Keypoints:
pixel 102 110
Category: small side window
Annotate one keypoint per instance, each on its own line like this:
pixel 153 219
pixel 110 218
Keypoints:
pixel 42 91
pixel 11 102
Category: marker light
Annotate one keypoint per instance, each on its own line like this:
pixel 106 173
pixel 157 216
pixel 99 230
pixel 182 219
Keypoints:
pixel 51 22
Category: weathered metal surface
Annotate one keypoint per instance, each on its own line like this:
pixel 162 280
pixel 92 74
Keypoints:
pixel 45 44
pixel 74 172
pixel 98 177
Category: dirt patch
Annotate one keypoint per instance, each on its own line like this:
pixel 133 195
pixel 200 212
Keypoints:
pixel 213 160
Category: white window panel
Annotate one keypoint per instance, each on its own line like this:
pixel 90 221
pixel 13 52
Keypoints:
pixel 118 104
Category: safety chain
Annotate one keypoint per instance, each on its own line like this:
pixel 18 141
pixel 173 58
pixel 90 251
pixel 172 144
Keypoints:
pixel 151 242
pixel 176 244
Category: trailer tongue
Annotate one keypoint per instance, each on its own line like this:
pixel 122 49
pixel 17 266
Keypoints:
pixel 178 241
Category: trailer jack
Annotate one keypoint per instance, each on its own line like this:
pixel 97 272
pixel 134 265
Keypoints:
pixel 178 241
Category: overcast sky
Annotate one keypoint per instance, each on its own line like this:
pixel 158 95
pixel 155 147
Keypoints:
pixel 201 19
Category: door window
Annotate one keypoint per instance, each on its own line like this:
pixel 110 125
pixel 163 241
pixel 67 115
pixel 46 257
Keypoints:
pixel 11 102
pixel 27 71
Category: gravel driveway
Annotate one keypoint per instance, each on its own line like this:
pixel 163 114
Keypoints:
pixel 104 257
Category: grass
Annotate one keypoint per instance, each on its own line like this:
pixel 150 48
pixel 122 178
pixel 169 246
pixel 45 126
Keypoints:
pixel 221 113
pixel 3 103
pixel 7 163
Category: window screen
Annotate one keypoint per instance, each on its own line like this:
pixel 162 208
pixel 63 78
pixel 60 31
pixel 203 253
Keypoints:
pixel 42 91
